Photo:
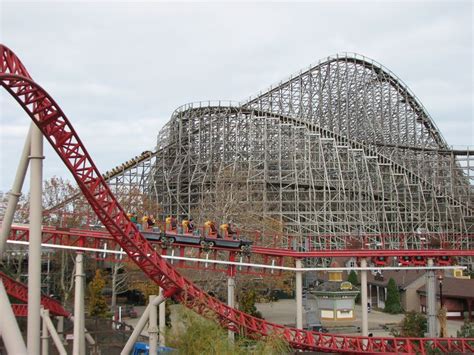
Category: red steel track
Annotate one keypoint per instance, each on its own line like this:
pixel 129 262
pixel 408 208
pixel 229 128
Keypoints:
pixel 20 309
pixel 97 239
pixel 20 292
pixel 57 129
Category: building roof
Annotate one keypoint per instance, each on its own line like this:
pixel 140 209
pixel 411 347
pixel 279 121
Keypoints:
pixel 402 278
pixel 454 287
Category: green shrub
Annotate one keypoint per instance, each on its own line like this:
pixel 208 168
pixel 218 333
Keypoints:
pixel 467 329
pixel 392 304
pixel 247 302
pixel 414 324
pixel 198 335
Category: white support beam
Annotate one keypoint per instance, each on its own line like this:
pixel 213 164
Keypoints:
pixel 299 294
pixel 231 301
pixel 431 301
pixel 61 330
pixel 87 335
pixel 82 339
pixel 54 335
pixel 34 250
pixel 15 192
pixel 153 326
pixel 363 296
pixel 9 329
pixel 162 320
pixel 78 305
pixel 45 335
pixel 141 325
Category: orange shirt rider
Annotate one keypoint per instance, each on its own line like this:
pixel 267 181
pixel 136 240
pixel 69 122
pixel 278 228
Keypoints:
pixel 227 230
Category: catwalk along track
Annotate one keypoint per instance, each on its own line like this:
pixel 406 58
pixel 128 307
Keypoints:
pixel 53 123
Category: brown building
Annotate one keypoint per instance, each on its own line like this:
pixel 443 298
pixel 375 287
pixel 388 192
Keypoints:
pixel 408 283
pixel 458 297
pixel 458 293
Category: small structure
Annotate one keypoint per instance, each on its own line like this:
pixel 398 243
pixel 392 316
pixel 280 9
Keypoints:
pixel 335 298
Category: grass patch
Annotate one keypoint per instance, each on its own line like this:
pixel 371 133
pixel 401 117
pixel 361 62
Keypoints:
pixel 197 335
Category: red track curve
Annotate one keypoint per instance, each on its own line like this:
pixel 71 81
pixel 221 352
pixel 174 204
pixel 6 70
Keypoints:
pixel 20 292
pixel 57 129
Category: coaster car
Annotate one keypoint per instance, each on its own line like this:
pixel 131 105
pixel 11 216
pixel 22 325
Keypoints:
pixel 170 237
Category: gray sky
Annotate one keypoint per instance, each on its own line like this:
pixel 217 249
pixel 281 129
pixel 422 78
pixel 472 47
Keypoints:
pixel 118 70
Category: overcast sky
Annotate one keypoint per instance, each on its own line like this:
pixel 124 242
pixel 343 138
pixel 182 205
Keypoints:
pixel 118 70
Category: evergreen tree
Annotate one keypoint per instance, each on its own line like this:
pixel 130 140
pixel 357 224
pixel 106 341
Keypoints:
pixel 247 303
pixel 97 304
pixel 352 278
pixel 392 304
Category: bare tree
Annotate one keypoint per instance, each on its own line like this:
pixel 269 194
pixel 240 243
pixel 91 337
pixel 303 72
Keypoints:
pixel 66 274
pixel 12 261
pixel 73 214
pixel 119 283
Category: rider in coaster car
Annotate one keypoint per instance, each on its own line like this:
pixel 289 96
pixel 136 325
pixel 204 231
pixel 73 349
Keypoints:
pixel 191 225
pixel 187 225
pixel 150 222
pixel 174 224
pixel 227 230
pixel 184 224
pixel 145 222
pixel 170 223
pixel 210 229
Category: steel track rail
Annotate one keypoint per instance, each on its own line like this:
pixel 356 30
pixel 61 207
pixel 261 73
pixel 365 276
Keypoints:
pixel 20 292
pixel 84 237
